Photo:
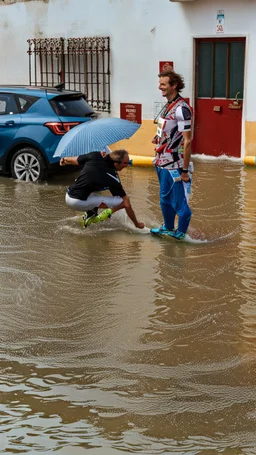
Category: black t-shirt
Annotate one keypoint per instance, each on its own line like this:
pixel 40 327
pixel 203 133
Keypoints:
pixel 98 174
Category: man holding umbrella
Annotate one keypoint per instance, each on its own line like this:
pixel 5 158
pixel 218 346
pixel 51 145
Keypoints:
pixel 100 172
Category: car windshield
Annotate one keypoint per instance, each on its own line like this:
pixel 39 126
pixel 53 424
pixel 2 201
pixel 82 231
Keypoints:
pixel 72 106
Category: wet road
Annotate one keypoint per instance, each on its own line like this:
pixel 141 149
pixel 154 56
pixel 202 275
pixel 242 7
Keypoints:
pixel 118 342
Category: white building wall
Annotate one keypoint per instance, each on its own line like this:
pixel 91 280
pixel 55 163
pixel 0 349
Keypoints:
pixel 138 40
pixel 143 32
pixel 239 21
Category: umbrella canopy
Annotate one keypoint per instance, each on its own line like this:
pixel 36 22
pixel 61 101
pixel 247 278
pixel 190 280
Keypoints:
pixel 94 136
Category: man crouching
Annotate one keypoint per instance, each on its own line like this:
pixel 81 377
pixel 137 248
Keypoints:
pixel 99 173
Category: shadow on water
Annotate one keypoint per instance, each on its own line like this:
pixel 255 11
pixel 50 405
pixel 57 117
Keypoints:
pixel 117 341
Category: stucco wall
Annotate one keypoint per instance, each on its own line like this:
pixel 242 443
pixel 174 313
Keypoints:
pixel 11 2
pixel 139 39
pixel 142 33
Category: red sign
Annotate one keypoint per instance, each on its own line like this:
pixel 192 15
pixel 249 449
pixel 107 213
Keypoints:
pixel 131 112
pixel 165 66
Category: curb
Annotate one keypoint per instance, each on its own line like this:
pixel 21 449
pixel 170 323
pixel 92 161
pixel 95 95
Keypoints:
pixel 250 160
pixel 146 161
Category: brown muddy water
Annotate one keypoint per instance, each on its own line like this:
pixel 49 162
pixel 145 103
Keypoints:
pixel 113 341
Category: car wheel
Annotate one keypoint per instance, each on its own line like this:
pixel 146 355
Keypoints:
pixel 28 165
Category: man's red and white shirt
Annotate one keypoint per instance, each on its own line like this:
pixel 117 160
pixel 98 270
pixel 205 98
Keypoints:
pixel 175 118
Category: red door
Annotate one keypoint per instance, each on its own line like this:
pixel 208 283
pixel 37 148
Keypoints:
pixel 219 96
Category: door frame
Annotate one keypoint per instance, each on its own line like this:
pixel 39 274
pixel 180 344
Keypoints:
pixel 193 97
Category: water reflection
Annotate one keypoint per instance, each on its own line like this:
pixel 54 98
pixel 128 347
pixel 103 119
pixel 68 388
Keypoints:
pixel 246 254
pixel 117 341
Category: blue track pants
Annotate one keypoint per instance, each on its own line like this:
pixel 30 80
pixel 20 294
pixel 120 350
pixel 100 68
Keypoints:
pixel 173 201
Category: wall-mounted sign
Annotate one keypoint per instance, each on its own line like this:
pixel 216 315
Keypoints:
pixel 220 21
pixel 131 112
pixel 158 106
pixel 165 66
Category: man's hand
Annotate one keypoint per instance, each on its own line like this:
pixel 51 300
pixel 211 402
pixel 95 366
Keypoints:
pixel 140 225
pixel 184 176
pixel 69 160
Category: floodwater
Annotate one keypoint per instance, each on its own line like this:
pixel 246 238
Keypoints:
pixel 113 341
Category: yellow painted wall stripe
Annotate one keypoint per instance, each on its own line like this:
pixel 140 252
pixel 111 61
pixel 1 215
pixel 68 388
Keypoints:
pixel 142 153
pixel 145 161
pixel 250 160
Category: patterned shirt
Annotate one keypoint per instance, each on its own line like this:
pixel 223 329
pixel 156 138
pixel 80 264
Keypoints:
pixel 175 118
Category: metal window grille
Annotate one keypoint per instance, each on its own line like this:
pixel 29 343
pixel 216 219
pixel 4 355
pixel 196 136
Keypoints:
pixel 79 63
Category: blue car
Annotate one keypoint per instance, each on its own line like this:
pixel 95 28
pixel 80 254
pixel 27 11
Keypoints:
pixel 32 122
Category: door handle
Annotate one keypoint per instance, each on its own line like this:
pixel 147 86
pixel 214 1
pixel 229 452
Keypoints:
pixel 10 123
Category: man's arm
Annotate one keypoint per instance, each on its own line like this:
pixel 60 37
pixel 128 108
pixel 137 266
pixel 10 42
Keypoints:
pixel 187 137
pixel 131 214
pixel 69 160
pixel 184 119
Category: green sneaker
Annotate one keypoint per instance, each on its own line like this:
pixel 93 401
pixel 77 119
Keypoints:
pixel 102 216
pixel 88 220
pixel 89 216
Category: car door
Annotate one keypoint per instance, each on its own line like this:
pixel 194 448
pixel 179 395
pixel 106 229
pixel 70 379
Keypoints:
pixel 10 121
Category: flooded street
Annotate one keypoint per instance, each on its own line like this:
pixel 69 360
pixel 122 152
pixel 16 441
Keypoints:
pixel 118 342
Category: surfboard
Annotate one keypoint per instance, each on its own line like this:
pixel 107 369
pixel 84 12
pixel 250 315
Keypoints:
pixel 198 240
pixel 165 236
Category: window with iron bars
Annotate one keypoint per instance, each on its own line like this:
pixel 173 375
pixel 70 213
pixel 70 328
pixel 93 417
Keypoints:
pixel 81 64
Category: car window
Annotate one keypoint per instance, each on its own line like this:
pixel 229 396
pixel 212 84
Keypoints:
pixel 72 106
pixel 25 102
pixel 7 104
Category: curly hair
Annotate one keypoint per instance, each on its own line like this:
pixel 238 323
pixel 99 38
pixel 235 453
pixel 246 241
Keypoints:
pixel 174 78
